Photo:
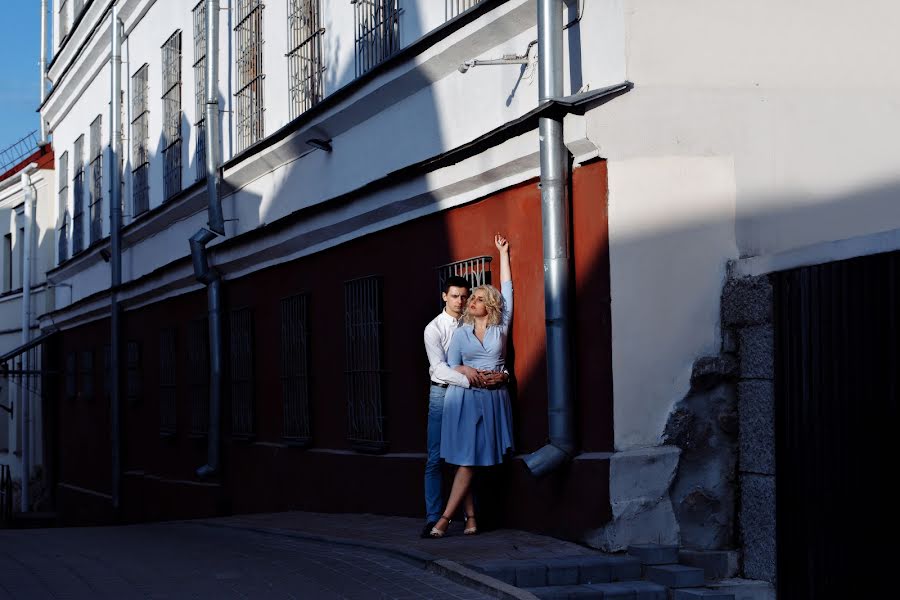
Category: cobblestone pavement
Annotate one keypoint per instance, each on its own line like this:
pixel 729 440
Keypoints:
pixel 193 560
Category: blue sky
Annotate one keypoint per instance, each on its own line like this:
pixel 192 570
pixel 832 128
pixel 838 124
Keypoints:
pixel 20 30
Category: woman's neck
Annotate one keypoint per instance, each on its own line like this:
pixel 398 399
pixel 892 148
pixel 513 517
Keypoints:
pixel 481 323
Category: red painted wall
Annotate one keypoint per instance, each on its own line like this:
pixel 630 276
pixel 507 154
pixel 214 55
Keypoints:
pixel 263 474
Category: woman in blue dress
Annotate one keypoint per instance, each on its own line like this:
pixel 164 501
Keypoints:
pixel 476 427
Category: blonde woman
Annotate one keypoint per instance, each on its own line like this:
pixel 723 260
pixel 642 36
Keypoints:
pixel 476 427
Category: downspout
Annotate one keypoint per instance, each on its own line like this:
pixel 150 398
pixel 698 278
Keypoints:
pixel 24 393
pixel 115 259
pixel 43 68
pixel 554 213
pixel 202 271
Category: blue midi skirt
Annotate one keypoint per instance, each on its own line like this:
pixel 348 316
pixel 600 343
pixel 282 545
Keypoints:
pixel 476 427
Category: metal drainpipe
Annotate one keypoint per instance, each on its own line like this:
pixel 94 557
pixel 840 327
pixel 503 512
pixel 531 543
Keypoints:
pixel 115 260
pixel 43 67
pixel 25 394
pixel 202 271
pixel 554 212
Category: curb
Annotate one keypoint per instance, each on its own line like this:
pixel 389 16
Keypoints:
pixel 446 568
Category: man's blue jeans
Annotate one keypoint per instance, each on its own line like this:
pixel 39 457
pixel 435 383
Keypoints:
pixel 433 476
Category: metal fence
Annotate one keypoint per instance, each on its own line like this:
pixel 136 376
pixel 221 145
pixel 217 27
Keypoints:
pixel 198 374
pixel 453 8
pixel 96 180
pixel 364 372
pixel 305 68
pixel 377 27
pixel 18 150
pixel 249 70
pixel 242 388
pixel 140 141
pixel 295 368
pixel 476 270
pixel 168 406
pixel 200 89
pixel 171 98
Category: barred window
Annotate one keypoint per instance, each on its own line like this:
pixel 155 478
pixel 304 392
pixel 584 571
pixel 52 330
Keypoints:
pixel 71 375
pixel 295 368
pixel 198 369
pixel 167 390
pixel 200 88
pixel 62 237
pixel 96 181
pixel 477 270
pixel 140 142
pixel 249 66
pixel 242 396
pixel 171 77
pixel 305 55
pixel 453 8
pixel 86 370
pixel 377 32
pixel 78 196
pixel 63 20
pixel 133 372
pixel 363 358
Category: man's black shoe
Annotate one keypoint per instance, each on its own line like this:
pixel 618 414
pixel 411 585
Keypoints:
pixel 426 531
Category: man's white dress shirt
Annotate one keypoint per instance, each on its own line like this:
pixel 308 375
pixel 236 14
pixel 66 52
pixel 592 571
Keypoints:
pixel 437 341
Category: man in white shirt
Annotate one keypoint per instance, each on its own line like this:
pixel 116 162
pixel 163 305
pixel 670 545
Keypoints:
pixel 437 341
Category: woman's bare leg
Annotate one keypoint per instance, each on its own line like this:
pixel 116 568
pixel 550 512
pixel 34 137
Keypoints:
pixel 469 507
pixel 459 493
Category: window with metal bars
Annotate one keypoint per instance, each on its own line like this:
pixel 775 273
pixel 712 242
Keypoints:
pixel 62 236
pixel 198 370
pixel 167 388
pixel 200 89
pixel 78 197
pixel 71 376
pixel 96 190
pixel 363 360
pixel 477 270
pixel 242 392
pixel 453 8
pixel 377 32
pixel 63 20
pixel 305 54
pixel 86 372
pixel 295 369
pixel 171 98
pixel 133 375
pixel 248 44
pixel 140 142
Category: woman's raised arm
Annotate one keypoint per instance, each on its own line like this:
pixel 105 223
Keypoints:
pixel 503 246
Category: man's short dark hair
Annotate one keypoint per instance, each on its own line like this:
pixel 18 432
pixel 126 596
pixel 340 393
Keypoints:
pixel 456 281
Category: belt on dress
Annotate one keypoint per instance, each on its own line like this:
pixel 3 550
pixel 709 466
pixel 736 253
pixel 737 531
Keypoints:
pixel 440 385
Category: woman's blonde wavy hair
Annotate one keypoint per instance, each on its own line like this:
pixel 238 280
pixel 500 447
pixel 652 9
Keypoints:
pixel 493 302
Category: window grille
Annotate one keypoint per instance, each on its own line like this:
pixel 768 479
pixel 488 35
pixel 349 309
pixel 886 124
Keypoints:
pixel 63 195
pixel 200 89
pixel 63 20
pixel 305 55
pixel 198 365
pixel 71 375
pixel 377 32
pixel 133 372
pixel 364 374
pixel 171 77
pixel 295 368
pixel 242 408
pixel 96 181
pixel 140 136
pixel 78 197
pixel 476 270
pixel 453 8
pixel 249 66
pixel 86 370
pixel 167 390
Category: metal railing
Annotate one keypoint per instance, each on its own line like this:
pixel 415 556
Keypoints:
pixel 96 181
pixel 476 270
pixel 78 197
pixel 364 372
pixel 250 104
pixel 305 68
pixel 295 368
pixel 200 89
pixel 243 411
pixel 15 152
pixel 377 27
pixel 453 8
pixel 140 142
pixel 171 98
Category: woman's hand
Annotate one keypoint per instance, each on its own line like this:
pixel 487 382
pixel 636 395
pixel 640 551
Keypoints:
pixel 502 243
pixel 476 379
